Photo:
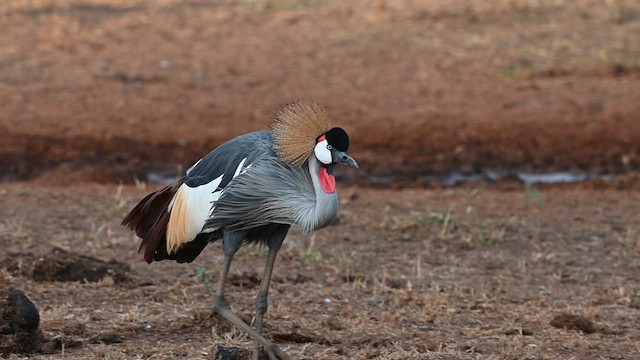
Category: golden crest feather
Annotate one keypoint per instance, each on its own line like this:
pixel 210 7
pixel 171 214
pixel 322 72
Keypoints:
pixel 295 128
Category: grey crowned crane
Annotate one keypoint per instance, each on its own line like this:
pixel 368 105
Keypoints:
pixel 249 190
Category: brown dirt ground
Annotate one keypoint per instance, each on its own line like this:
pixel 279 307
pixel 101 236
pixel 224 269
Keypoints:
pixel 99 92
pixel 407 274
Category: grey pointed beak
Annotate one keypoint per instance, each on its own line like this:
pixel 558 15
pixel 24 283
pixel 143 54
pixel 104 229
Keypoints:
pixel 346 159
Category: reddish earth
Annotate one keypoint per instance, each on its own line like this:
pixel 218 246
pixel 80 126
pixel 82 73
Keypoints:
pixel 101 92
pixel 104 90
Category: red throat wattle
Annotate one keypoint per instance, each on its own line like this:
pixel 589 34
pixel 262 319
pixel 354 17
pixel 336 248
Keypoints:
pixel 328 182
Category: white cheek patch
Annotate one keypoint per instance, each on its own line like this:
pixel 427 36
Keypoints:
pixel 322 153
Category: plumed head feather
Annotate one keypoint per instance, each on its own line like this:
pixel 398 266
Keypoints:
pixel 296 127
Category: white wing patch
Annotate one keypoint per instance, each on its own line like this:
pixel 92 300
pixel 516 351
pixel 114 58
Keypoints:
pixel 191 207
pixel 189 210
pixel 216 195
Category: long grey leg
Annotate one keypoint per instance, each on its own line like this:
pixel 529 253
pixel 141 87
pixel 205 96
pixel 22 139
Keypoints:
pixel 231 242
pixel 222 307
pixel 219 301
pixel 261 300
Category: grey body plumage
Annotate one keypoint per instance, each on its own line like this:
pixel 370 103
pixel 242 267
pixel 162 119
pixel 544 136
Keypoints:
pixel 266 191
pixel 270 191
pixel 251 189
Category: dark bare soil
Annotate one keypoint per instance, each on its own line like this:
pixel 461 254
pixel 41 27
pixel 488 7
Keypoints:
pixel 98 93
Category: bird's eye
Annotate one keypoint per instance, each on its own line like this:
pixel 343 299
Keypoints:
pixel 329 147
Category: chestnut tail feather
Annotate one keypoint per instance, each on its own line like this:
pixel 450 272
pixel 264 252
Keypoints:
pixel 149 220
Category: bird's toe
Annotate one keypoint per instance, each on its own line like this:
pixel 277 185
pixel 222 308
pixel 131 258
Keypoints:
pixel 276 354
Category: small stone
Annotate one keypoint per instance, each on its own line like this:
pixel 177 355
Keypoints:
pixel 18 312
pixel 227 353
pixel 19 320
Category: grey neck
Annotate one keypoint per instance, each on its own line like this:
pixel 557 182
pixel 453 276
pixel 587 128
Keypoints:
pixel 326 207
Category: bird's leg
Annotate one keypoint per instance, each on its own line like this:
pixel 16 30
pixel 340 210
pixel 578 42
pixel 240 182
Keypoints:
pixel 219 301
pixel 261 300
pixel 222 307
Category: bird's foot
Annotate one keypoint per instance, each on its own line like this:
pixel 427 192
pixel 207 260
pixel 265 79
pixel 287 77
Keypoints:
pixel 219 303
pixel 272 351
